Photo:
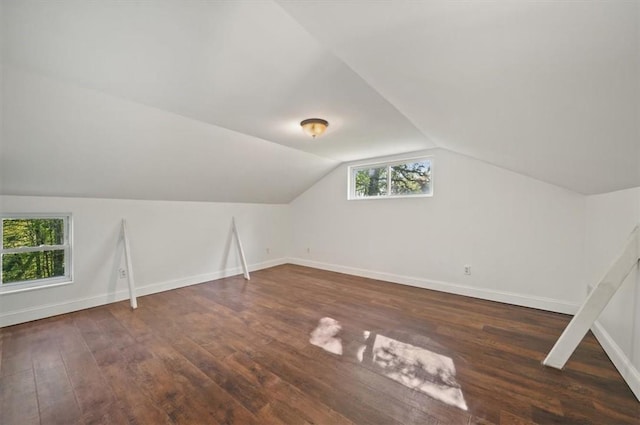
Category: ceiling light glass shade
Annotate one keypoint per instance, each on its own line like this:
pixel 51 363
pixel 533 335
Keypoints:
pixel 314 126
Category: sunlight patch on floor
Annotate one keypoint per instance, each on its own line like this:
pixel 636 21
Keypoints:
pixel 324 336
pixel 414 367
pixel 419 369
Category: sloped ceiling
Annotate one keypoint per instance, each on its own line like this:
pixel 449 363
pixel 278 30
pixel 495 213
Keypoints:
pixel 550 89
pixel 195 100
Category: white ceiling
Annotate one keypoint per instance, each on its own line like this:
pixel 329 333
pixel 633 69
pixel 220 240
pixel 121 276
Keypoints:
pixel 62 140
pixel 547 89
pixel 550 89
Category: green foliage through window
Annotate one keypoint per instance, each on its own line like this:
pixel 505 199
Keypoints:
pixel 33 249
pixel 411 178
pixel 371 182
pixel 32 266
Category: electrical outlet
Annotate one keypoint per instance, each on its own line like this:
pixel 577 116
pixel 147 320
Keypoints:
pixel 122 273
pixel 467 269
pixel 268 250
pixel 308 250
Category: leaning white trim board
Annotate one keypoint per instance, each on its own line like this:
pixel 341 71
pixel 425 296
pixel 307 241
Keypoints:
pixel 242 257
pixel 595 303
pixel 127 257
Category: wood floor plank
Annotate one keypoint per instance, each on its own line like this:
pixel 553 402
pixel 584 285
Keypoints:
pixel 508 418
pixel 63 411
pixel 338 399
pixel 53 386
pixel 18 398
pixel 237 352
pixel 16 363
pixel 282 392
pixel 92 392
pixel 136 406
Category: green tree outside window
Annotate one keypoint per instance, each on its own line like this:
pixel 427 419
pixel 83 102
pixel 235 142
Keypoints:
pixel 394 179
pixel 43 239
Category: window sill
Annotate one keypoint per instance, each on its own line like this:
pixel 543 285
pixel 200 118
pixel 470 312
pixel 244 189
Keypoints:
pixel 368 198
pixel 32 286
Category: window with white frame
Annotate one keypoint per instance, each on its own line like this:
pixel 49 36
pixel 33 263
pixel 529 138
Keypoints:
pixel 397 179
pixel 36 250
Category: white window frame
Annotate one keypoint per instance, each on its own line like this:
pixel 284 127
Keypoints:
pixel 67 246
pixel 351 184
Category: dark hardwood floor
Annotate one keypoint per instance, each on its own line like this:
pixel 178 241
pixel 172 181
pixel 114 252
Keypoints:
pixel 237 352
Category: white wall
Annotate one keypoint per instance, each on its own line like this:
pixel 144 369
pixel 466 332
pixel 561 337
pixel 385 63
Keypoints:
pixel 173 244
pixel 610 218
pixel 523 238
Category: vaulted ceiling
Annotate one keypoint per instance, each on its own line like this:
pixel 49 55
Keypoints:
pixel 195 100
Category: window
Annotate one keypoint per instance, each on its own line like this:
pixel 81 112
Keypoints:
pixel 397 179
pixel 36 250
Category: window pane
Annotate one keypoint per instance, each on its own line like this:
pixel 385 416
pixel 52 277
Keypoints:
pixel 32 232
pixel 370 182
pixel 412 178
pixel 32 265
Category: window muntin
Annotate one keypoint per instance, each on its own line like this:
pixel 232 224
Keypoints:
pixel 35 250
pixel 406 178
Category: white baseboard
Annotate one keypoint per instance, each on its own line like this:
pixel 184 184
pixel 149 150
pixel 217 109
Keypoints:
pixel 43 311
pixel 541 303
pixel 629 372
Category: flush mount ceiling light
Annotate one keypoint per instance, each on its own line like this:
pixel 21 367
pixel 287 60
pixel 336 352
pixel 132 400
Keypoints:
pixel 314 126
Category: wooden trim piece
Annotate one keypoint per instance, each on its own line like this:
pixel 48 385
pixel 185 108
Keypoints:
pixel 242 257
pixel 595 303
pixel 127 256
